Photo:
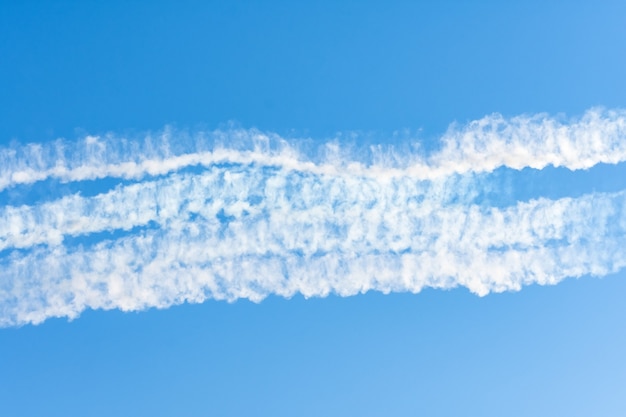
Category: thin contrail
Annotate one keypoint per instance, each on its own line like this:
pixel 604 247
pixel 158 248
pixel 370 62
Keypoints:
pixel 231 191
pixel 599 136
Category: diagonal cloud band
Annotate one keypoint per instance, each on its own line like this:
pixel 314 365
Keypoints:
pixel 315 251
pixel 249 228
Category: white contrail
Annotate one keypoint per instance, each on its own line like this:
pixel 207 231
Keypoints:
pixel 599 136
pixel 232 190
pixel 314 237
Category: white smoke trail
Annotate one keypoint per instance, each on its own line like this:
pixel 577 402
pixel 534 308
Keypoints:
pixel 230 190
pixel 312 237
pixel 599 136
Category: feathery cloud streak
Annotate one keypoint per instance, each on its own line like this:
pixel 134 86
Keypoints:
pixel 480 146
pixel 247 227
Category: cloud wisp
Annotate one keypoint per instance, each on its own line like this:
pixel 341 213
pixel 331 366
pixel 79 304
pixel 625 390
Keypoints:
pixel 260 221
pixel 480 146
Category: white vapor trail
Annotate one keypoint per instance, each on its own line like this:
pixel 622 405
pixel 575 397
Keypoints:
pixel 233 191
pixel 384 244
pixel 599 136
pixel 258 221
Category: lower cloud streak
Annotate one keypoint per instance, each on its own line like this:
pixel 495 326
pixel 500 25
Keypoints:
pixel 251 232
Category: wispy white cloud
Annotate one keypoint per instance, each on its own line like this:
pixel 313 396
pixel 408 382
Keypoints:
pixel 599 136
pixel 250 189
pixel 250 226
pixel 390 245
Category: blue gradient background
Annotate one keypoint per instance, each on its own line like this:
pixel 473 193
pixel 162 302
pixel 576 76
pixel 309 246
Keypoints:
pixel 67 68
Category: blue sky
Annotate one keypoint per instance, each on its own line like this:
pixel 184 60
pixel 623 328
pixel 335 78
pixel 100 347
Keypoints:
pixel 388 184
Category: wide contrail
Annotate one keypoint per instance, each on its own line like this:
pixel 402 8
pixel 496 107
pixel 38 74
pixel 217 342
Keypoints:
pixel 262 218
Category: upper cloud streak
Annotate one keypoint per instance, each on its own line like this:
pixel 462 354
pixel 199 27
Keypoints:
pixel 599 136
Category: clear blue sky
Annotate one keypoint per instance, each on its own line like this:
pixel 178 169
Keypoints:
pixel 313 70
